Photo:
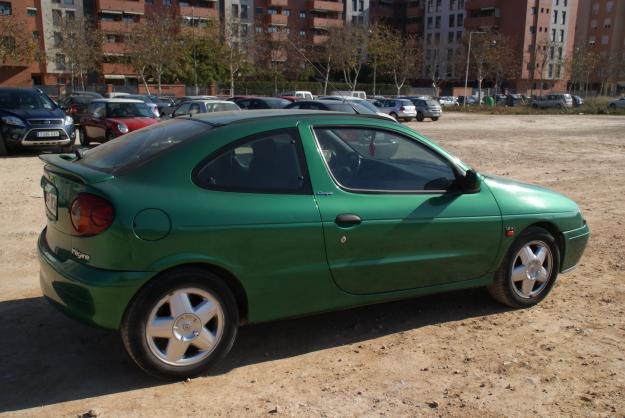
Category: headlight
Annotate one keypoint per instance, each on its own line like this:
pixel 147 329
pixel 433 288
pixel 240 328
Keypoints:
pixel 68 120
pixel 122 128
pixel 12 120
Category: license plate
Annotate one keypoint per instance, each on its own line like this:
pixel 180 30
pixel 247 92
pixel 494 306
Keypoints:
pixel 47 134
pixel 50 196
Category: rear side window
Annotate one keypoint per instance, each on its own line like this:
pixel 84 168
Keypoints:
pixel 123 154
pixel 272 162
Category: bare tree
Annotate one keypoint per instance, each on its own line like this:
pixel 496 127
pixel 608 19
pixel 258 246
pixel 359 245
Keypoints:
pixel 326 55
pixel 379 50
pixel 16 43
pixel 581 66
pixel 352 53
pixel 434 62
pixel 156 46
pixel 502 60
pixel 271 53
pixel 80 42
pixel 608 68
pixel 403 58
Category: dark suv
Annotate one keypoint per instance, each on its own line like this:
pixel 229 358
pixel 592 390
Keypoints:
pixel 30 119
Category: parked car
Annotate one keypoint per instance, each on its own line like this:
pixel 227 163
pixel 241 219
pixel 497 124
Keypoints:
pixel 560 101
pixel 280 214
pixel 346 106
pixel 30 119
pixel 362 102
pixel 147 100
pixel 299 94
pixel 75 104
pixel 110 118
pixel 427 109
pixel 397 108
pixel 618 103
pixel 167 111
pixel 194 107
pixel 113 94
pixel 471 100
pixel 577 101
pixel 348 93
pixel 258 103
pixel 515 100
pixel 448 101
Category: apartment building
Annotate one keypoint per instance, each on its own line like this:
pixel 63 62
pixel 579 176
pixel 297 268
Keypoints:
pixel 358 11
pixel 601 28
pixel 537 28
pixel 443 29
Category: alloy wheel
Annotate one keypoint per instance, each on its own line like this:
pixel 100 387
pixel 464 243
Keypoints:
pixel 531 269
pixel 185 326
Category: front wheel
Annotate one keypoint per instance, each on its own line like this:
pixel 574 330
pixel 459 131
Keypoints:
pixel 82 136
pixel 529 270
pixel 180 324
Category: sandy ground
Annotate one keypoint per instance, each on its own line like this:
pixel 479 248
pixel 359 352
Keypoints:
pixel 455 354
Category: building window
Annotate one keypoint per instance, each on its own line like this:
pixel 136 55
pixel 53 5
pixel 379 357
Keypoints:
pixel 355 5
pixel 149 1
pixel 167 3
pixel 553 35
pixel 302 33
pixel 452 4
pixel 452 21
pixel 438 5
pixel 532 29
pixel 558 71
pixel 458 36
pixel 31 11
pixel 562 35
pixel 57 39
pixel 608 6
pixel 564 18
pixel 302 15
pixel 56 17
pixel 560 52
pixel 430 22
pixel 593 24
pixel 607 23
pixel 566 3
pixel 550 70
pixel 533 10
pixel 244 11
pixel 450 37
pixel 552 52
pixel 259 10
pixel 68 2
pixel 70 14
pixel 5 8
pixel 437 25
pixel 272 11
pixel 460 20
pixel 60 62
pixel 555 17
pixel 591 40
pixel 35 35
pixel 605 39
pixel 286 12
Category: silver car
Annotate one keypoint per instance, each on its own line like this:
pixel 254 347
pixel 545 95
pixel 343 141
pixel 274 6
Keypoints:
pixel 427 108
pixel 618 103
pixel 397 108
pixel 553 100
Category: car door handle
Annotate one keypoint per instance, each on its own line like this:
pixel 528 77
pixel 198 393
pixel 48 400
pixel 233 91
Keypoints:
pixel 347 219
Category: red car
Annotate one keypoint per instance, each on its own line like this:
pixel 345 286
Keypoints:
pixel 109 118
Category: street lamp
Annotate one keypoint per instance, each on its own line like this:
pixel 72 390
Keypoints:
pixel 466 76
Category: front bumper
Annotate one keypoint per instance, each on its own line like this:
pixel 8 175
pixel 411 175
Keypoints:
pixel 91 295
pixel 574 245
pixel 28 136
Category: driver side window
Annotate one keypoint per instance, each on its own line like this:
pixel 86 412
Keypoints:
pixel 372 160
pixel 183 109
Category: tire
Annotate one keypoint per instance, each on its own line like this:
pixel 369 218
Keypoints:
pixel 512 291
pixel 207 341
pixel 108 136
pixel 420 116
pixel 3 148
pixel 612 106
pixel 394 115
pixel 434 119
pixel 84 141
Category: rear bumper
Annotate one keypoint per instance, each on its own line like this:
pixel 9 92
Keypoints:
pixel 574 245
pixel 94 296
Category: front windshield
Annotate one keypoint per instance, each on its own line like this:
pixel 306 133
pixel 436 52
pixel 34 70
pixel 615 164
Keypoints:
pixel 367 105
pixel 128 110
pixel 25 100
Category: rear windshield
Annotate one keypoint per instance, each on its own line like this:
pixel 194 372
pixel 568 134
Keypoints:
pixel 406 102
pixel 340 107
pixel 123 154
pixel 432 103
pixel 277 103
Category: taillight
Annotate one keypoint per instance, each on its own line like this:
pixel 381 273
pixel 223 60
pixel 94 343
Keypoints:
pixel 91 214
pixel 401 109
pixel 73 110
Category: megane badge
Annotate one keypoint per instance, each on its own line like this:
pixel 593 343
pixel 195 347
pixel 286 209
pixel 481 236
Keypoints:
pixel 80 255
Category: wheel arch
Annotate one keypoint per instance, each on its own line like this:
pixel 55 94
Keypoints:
pixel 553 230
pixel 233 283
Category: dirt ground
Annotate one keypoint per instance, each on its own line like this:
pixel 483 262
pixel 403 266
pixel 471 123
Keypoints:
pixel 457 354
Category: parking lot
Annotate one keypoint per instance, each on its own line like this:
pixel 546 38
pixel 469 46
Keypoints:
pixel 450 354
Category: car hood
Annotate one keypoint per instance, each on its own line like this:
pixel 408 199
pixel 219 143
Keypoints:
pixel 517 198
pixel 134 123
pixel 34 114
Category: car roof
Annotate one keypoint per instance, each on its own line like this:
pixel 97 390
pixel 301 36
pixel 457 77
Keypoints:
pixel 226 118
pixel 116 100
pixel 209 101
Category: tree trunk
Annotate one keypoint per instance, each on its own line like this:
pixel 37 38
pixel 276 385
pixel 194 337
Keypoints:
pixel 145 83
pixel 159 83
pixel 325 84
pixel 231 80
pixel 375 75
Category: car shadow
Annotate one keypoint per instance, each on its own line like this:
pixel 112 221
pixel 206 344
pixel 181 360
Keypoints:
pixel 50 358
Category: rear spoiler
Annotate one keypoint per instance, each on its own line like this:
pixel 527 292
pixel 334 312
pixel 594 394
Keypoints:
pixel 64 165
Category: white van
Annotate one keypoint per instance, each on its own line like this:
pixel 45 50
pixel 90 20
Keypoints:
pixel 300 94
pixel 356 93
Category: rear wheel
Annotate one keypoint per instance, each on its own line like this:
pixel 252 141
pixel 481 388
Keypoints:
pixel 612 106
pixel 529 270
pixel 420 116
pixel 83 137
pixel 180 324
pixel 434 119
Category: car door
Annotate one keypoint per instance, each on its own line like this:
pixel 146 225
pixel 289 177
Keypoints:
pixel 182 110
pixel 97 125
pixel 391 218
pixel 257 194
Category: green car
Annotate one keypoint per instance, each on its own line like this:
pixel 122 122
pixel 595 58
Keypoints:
pixel 178 233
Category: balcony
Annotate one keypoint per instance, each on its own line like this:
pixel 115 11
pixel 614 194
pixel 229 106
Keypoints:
pixel 481 22
pixel 278 36
pixel 277 3
pixel 108 26
pixel 111 68
pixel 321 23
pixel 319 39
pixel 415 12
pixel 480 4
pixel 114 48
pixel 199 12
pixel 277 20
pixel 329 6
pixel 129 6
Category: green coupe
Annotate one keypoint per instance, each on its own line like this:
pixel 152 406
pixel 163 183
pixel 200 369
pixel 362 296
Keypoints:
pixel 178 233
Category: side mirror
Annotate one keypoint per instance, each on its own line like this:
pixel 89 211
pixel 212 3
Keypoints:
pixel 471 182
